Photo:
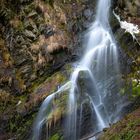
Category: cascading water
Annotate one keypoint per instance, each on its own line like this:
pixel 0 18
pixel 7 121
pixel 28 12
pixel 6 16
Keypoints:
pixel 44 111
pixel 100 66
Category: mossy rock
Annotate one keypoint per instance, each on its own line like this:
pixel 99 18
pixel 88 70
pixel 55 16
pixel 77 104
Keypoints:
pixel 125 129
pixel 56 137
pixel 135 88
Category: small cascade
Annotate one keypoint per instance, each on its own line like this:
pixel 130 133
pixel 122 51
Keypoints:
pixel 98 71
pixel 45 109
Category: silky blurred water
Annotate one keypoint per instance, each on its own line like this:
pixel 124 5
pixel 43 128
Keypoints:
pixel 100 63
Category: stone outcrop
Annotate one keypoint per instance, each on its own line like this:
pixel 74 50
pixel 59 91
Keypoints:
pixel 37 41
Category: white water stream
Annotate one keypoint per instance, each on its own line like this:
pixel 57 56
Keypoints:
pixel 100 65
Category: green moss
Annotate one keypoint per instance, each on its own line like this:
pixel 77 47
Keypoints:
pixel 123 130
pixel 69 68
pixel 20 26
pixel 21 125
pixel 129 132
pixel 56 137
pixel 20 80
pixel 12 126
pixel 23 98
pixel 135 89
pixel 53 81
pixel 29 8
pixel 7 101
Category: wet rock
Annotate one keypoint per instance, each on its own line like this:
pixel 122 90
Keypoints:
pixel 86 24
pixel 115 25
pixel 88 13
pixel 48 31
pixel 87 86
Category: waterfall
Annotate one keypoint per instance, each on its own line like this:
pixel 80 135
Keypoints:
pixel 100 67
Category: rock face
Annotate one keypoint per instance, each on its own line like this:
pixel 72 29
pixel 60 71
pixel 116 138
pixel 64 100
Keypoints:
pixel 129 11
pixel 37 39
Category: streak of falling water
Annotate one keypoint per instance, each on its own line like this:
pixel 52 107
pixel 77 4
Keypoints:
pixel 45 110
pixel 100 63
